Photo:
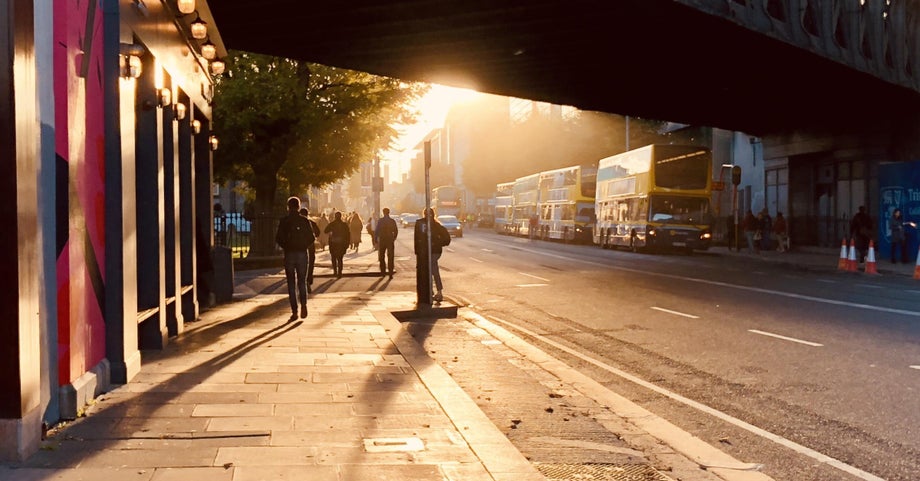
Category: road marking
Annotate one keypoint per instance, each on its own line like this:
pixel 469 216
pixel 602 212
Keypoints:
pixel 765 333
pixel 828 281
pixel 915 367
pixel 806 451
pixel 801 297
pixel 487 250
pixel 477 260
pixel 869 286
pixel 535 277
pixel 691 316
pixel 913 291
pixel 532 285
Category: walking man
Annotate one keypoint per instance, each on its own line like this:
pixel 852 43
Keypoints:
pixel 295 235
pixel 339 236
pixel 385 239
pixel 311 251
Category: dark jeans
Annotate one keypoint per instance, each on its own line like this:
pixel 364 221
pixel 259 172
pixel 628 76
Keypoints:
pixel 385 252
pixel 337 252
pixel 295 266
pixel 899 247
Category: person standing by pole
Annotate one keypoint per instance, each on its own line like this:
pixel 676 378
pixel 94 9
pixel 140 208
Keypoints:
pixel 385 238
pixel 295 235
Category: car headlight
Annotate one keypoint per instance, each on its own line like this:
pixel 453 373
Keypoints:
pixel 706 236
pixel 651 232
pixel 579 228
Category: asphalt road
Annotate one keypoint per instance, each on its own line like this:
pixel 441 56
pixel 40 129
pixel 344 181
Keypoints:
pixel 816 375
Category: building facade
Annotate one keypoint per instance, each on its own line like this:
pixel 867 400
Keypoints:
pixel 106 157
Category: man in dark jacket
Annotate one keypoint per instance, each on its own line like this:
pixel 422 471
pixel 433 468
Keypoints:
pixel 295 235
pixel 311 251
pixel 339 238
pixel 385 239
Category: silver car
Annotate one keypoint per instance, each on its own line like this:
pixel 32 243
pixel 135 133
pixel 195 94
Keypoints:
pixel 453 226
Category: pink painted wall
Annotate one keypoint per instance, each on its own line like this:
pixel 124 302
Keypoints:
pixel 79 128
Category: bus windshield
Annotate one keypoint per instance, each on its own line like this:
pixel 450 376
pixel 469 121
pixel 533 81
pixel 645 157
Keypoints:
pixel 670 209
pixel 683 171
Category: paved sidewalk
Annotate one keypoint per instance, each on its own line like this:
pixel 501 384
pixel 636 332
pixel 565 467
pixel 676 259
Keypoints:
pixel 245 395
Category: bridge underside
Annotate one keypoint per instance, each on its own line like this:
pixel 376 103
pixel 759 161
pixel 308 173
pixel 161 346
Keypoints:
pixel 647 58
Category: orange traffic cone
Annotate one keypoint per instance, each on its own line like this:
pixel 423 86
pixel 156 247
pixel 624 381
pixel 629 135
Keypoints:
pixel 870 260
pixel 842 262
pixel 852 265
pixel 917 268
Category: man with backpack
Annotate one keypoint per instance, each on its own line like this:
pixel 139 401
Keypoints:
pixel 440 238
pixel 385 240
pixel 295 235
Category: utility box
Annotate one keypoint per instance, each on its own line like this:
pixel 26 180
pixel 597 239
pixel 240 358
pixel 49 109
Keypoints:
pixel 223 273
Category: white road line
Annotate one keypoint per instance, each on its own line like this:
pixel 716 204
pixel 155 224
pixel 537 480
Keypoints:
pixel 477 260
pixel 913 291
pixel 869 286
pixel 691 316
pixel 765 333
pixel 487 250
pixel 531 285
pixel 827 281
pixel 915 367
pixel 704 408
pixel 535 277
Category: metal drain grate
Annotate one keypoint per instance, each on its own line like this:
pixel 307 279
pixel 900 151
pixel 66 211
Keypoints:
pixel 600 472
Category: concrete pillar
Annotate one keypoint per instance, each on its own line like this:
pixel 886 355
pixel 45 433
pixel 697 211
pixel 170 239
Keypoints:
pixel 151 266
pixel 20 241
pixel 122 354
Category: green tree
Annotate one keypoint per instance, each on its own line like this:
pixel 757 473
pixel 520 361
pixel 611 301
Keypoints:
pixel 286 124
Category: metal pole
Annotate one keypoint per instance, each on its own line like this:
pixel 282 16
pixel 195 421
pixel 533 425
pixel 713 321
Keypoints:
pixel 423 279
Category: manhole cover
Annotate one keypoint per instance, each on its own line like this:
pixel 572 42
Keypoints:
pixel 600 472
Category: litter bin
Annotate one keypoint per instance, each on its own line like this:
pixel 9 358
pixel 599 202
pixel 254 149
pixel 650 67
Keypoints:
pixel 223 273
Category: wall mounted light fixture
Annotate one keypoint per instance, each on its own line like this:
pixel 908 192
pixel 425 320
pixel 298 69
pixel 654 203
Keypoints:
pixel 208 50
pixel 164 98
pixel 179 110
pixel 218 66
pixel 185 6
pixel 213 142
pixel 130 60
pixel 199 28
pixel 196 126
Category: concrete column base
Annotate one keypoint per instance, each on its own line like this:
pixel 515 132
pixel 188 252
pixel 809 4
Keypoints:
pixel 21 437
pixel 83 390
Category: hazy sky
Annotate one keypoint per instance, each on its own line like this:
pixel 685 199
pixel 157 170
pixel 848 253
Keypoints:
pixel 432 108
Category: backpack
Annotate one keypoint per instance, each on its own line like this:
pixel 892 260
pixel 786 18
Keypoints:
pixel 300 234
pixel 441 237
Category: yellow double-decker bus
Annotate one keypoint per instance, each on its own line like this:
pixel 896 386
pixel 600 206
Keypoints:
pixel 525 195
pixel 657 196
pixel 503 207
pixel 566 203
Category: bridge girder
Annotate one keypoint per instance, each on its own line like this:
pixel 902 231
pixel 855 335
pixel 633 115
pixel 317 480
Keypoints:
pixel 725 63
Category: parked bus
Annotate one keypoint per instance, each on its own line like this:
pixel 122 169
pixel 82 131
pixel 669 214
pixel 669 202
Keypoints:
pixel 566 203
pixel 525 196
pixel 447 200
pixel 657 196
pixel 503 208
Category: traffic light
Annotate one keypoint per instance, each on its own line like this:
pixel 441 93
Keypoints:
pixel 736 174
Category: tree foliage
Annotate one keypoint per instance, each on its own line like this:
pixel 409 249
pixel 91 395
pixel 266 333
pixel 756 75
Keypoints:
pixel 289 124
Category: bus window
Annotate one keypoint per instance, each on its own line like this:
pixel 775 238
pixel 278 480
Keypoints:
pixel 568 212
